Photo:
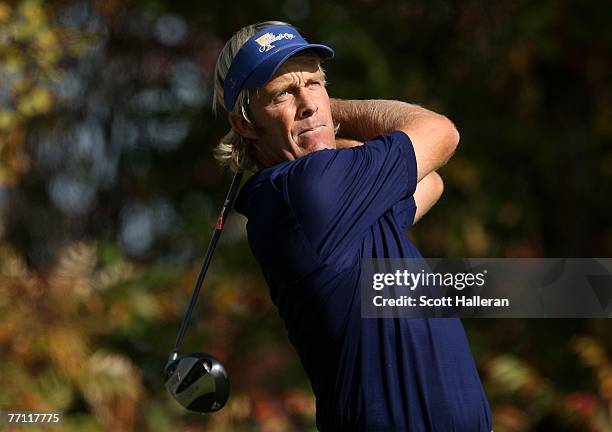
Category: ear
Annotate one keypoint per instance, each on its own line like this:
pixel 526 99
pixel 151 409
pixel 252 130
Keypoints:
pixel 241 126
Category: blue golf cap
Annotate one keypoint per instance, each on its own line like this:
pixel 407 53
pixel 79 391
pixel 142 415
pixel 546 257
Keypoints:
pixel 261 56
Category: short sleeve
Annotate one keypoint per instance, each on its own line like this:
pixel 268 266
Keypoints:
pixel 337 195
pixel 404 212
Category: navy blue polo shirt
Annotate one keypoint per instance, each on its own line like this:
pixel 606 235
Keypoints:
pixel 310 221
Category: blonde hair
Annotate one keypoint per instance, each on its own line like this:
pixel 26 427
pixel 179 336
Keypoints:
pixel 235 150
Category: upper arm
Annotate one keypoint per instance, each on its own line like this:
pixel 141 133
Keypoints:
pixel 336 195
pixel 434 138
pixel 427 193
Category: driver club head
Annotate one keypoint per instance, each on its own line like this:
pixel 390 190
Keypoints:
pixel 198 381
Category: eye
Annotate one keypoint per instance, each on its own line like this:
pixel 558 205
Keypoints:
pixel 281 95
pixel 314 84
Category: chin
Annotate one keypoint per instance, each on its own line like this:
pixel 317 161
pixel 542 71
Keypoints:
pixel 315 143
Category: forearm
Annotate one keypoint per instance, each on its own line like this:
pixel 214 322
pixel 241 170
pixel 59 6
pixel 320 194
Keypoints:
pixel 342 143
pixel 433 136
pixel 364 119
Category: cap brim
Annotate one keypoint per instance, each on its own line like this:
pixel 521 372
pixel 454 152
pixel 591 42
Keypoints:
pixel 267 68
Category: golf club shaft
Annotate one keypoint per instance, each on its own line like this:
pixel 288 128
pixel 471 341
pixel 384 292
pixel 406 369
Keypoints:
pixel 209 252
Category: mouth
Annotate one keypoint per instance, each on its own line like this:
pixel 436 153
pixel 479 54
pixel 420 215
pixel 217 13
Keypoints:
pixel 310 129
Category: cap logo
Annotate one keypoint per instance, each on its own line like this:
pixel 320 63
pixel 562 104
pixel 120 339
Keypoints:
pixel 265 41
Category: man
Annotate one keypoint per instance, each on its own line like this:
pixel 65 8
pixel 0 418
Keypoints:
pixel 316 205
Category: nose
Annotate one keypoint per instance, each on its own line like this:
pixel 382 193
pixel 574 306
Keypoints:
pixel 307 105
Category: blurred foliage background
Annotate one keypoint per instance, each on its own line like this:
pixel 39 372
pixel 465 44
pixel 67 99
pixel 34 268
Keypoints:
pixel 109 193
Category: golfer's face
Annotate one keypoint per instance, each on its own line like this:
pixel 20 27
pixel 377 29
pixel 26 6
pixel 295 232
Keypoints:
pixel 292 113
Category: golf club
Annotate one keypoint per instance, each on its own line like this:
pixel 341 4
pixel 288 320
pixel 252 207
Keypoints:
pixel 198 381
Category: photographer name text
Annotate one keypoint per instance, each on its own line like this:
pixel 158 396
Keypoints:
pixel 424 301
